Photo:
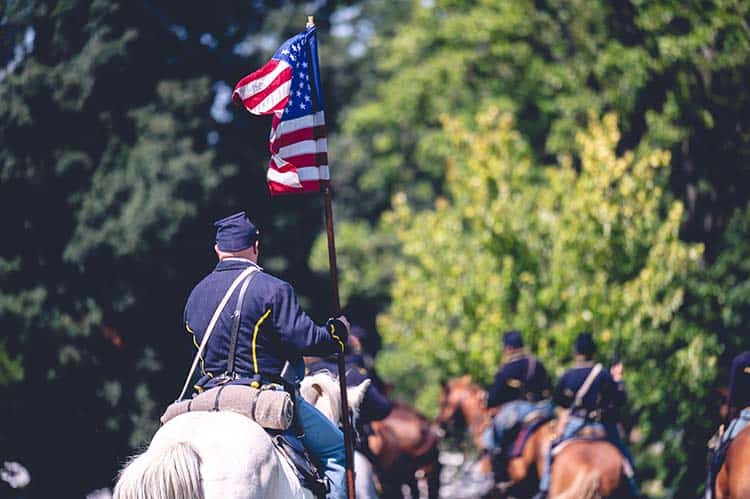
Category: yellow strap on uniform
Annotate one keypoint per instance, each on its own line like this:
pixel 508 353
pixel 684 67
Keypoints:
pixel 336 337
pixel 197 346
pixel 255 337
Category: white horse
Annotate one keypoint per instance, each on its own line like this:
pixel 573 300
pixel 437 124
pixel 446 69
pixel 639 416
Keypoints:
pixel 322 391
pixel 212 455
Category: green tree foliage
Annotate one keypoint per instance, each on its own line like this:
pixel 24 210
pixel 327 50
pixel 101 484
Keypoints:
pixel 665 67
pixel 552 251
pixel 721 295
pixel 675 73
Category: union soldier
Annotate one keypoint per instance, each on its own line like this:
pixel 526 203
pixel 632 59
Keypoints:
pixel 738 415
pixel 273 330
pixel 521 387
pixel 594 404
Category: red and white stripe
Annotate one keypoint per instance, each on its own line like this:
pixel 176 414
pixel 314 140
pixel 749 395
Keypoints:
pixel 265 91
pixel 299 154
pixel 299 151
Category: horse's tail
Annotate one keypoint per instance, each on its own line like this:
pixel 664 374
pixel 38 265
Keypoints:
pixel 585 486
pixel 172 472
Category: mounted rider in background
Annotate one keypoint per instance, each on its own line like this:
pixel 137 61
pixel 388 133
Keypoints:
pixel 593 397
pixel 521 387
pixel 260 330
pixel 738 416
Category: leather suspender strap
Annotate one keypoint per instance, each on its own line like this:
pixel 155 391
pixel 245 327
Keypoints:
pixel 530 370
pixel 586 385
pixel 236 327
pixel 218 396
pixel 255 403
pixel 223 303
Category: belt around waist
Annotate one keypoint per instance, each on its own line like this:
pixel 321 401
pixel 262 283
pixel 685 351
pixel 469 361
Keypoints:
pixel 255 380
pixel 590 415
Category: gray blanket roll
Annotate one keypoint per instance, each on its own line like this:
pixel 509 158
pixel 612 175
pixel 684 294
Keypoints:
pixel 274 409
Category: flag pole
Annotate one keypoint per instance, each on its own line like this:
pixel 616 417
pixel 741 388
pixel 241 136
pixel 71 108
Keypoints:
pixel 345 419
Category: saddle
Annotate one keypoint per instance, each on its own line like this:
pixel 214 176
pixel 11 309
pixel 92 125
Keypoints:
pixel 528 427
pixel 591 432
pixel 294 452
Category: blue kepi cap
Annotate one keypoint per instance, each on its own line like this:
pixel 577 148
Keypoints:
pixel 585 345
pixel 235 232
pixel 513 339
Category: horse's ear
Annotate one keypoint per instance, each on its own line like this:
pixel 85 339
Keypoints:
pixel 357 393
pixel 311 392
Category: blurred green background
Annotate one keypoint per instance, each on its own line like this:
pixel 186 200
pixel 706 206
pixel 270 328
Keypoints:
pixel 553 166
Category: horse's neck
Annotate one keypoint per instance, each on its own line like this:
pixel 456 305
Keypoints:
pixel 476 414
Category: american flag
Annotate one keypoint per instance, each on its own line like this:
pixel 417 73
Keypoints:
pixel 288 87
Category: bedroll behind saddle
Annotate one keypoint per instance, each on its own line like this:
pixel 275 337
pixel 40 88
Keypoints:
pixel 270 408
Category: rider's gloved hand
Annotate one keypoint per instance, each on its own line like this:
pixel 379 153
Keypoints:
pixel 616 372
pixel 339 328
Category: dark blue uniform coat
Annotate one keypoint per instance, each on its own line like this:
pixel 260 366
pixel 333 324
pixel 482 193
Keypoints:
pixel 604 394
pixel 273 327
pixel 514 381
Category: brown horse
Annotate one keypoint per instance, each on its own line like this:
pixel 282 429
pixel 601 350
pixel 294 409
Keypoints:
pixel 461 400
pixel 733 480
pixel 588 469
pixel 405 445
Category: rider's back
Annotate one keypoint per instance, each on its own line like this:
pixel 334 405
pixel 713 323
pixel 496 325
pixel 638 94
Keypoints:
pixel 601 393
pixel 273 328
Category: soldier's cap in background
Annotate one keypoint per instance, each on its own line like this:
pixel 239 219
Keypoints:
pixel 585 345
pixel 512 339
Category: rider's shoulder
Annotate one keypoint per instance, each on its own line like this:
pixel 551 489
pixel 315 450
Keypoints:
pixel 742 359
pixel 269 284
